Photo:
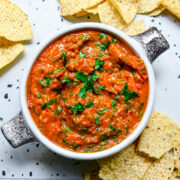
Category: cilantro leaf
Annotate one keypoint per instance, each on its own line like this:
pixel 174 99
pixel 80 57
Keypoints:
pixel 101 112
pixel 66 80
pixel 94 77
pixel 81 55
pixel 97 120
pixel 127 93
pixel 111 127
pixel 102 35
pixel 77 108
pixel 90 104
pixel 117 97
pixel 114 40
pixel 102 87
pixel 81 76
pixel 48 104
pixel 82 93
pixel 99 65
pixel 64 57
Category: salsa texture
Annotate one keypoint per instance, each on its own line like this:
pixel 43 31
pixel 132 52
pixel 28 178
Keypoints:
pixel 87 91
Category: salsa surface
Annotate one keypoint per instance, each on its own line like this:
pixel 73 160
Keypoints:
pixel 87 91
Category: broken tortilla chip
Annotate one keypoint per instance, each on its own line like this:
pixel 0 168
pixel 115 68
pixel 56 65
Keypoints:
pixel 72 7
pixel 135 27
pixel 158 136
pixel 126 8
pixel 157 11
pixel 14 24
pixel 126 165
pixel 109 15
pixel 161 169
pixel 9 51
pixel 145 6
pixel 173 6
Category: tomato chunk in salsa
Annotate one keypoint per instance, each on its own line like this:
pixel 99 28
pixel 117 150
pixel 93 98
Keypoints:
pixel 87 91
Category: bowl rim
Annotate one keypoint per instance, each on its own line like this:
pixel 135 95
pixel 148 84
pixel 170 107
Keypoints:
pixel 136 46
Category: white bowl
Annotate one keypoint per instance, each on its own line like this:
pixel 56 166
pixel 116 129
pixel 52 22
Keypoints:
pixel 136 46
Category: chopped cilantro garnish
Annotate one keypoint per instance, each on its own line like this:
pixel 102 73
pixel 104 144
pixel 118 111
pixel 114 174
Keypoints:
pixel 127 129
pixel 140 109
pixel 83 129
pixel 114 103
pixel 94 77
pixel 102 35
pixel 81 55
pixel 126 109
pixel 66 80
pixel 97 120
pixel 99 54
pixel 68 129
pixel 101 149
pixel 111 127
pixel 99 65
pixel 117 97
pixel 77 108
pixel 46 81
pixel 55 59
pixel 64 100
pixel 64 140
pixel 102 87
pixel 64 58
pixel 90 105
pixel 48 104
pixel 127 93
pixel 38 95
pixel 81 76
pixel 75 146
pixel 114 40
pixel 82 93
pixel 57 71
pixel 102 47
pixel 101 112
pixel 59 109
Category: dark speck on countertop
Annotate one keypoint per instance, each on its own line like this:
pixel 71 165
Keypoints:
pixel 3 173
pixel 9 85
pixel 1 118
pixel 6 96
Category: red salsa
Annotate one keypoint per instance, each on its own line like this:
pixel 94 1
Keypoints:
pixel 87 91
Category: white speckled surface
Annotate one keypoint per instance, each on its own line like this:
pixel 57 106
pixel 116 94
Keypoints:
pixel 34 160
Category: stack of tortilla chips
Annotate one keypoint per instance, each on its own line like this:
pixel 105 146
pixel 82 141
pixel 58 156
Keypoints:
pixel 156 155
pixel 14 29
pixel 120 13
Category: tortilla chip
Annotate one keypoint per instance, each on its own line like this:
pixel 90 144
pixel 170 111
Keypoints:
pixel 145 6
pixel 126 165
pixel 14 24
pixel 9 51
pixel 109 15
pixel 135 27
pixel 126 8
pixel 176 149
pixel 173 6
pixel 93 10
pixel 92 176
pixel 72 7
pixel 158 136
pixel 161 169
pixel 157 11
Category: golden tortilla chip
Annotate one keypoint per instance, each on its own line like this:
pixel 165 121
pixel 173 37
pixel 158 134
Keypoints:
pixel 9 51
pixel 135 27
pixel 176 148
pixel 72 7
pixel 173 6
pixel 157 11
pixel 14 24
pixel 93 10
pixel 109 15
pixel 158 136
pixel 126 8
pixel 145 6
pixel 161 169
pixel 92 176
pixel 126 165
